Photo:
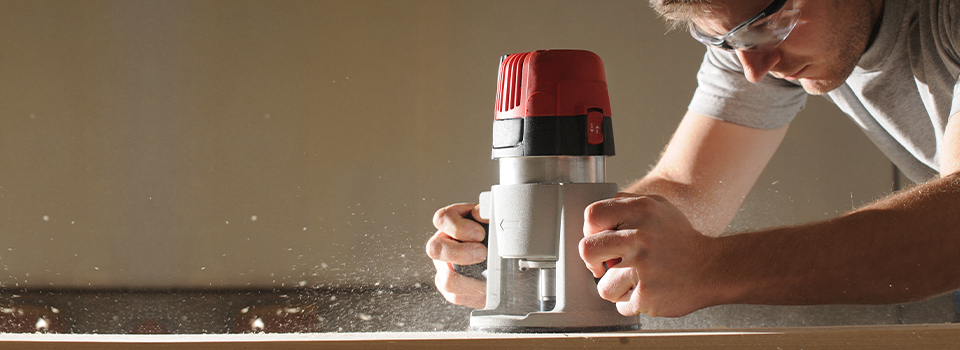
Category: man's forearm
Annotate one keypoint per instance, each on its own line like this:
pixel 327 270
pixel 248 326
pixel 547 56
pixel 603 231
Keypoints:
pixel 710 219
pixel 708 168
pixel 902 248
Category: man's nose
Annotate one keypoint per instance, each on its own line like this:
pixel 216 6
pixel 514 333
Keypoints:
pixel 756 64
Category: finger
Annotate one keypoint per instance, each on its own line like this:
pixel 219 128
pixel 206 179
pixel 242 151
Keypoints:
pixel 630 304
pixel 475 213
pixel 451 220
pixel 444 248
pixel 616 284
pixel 614 213
pixel 459 289
pixel 609 247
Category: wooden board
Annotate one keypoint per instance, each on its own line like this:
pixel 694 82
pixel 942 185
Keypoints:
pixel 945 336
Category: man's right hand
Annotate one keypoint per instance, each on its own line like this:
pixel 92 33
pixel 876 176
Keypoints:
pixel 457 241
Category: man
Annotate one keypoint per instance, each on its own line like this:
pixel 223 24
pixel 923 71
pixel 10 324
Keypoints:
pixel 892 65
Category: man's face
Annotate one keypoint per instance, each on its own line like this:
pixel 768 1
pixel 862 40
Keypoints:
pixel 820 52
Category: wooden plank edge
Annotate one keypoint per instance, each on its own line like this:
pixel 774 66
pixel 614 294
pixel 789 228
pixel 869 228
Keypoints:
pixel 946 336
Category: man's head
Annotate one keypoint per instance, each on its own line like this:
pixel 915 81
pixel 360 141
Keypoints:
pixel 678 12
pixel 820 51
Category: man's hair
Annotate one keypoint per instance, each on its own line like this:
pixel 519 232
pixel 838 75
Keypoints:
pixel 679 12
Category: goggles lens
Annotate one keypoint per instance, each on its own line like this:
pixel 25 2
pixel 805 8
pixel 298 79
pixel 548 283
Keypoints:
pixel 764 34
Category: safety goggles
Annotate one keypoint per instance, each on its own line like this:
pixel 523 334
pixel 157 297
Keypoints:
pixel 764 31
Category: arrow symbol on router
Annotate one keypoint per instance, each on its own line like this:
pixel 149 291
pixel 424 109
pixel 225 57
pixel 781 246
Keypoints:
pixel 509 225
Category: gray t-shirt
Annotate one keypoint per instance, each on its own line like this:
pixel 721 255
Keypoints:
pixel 901 93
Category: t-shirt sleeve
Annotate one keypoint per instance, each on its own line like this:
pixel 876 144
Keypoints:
pixel 725 94
pixel 950 32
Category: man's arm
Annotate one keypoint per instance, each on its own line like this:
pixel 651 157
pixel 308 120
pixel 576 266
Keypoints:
pixel 901 248
pixel 708 169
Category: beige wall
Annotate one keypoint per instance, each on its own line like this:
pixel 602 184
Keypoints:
pixel 139 139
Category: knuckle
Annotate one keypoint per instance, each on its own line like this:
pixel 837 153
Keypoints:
pixel 438 216
pixel 593 210
pixel 592 220
pixel 434 248
pixel 584 245
pixel 657 198
pixel 441 218
pixel 605 291
pixel 642 203
pixel 649 203
pixel 586 248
